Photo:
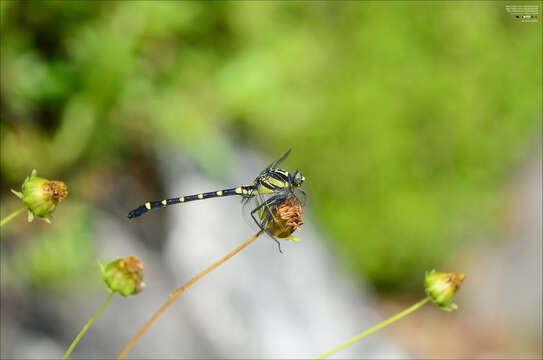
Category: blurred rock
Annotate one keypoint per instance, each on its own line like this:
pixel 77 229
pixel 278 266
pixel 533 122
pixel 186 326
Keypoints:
pixel 20 343
pixel 505 280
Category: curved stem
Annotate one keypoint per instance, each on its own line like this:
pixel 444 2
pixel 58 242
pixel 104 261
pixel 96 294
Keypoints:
pixel 376 327
pixel 12 215
pixel 178 292
pixel 86 327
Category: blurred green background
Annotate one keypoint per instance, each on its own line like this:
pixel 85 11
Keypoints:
pixel 407 118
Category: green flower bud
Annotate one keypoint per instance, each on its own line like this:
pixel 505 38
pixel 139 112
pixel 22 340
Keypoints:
pixel 441 288
pixel 41 196
pixel 287 217
pixel 124 275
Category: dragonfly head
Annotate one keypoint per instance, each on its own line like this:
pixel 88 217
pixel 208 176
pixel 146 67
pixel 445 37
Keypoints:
pixel 297 178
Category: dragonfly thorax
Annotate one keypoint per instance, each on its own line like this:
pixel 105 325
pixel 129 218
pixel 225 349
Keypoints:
pixel 274 180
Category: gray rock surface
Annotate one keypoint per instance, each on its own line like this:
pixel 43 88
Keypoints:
pixel 504 284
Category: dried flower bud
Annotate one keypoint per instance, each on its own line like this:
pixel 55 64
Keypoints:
pixel 41 196
pixel 287 217
pixel 441 288
pixel 124 275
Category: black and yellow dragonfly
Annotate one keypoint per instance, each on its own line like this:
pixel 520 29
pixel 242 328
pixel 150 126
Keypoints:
pixel 269 188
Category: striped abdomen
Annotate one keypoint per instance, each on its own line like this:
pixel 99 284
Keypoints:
pixel 245 191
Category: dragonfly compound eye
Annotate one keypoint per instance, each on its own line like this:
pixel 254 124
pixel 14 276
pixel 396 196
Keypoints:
pixel 298 178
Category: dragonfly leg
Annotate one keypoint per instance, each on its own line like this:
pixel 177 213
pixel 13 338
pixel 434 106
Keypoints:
pixel 266 219
pixel 265 203
pixel 262 224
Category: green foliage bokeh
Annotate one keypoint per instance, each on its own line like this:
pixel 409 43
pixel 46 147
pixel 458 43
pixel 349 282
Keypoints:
pixel 405 117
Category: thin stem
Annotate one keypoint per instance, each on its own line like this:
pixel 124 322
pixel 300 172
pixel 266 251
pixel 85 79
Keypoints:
pixel 12 215
pixel 178 292
pixel 86 327
pixel 376 327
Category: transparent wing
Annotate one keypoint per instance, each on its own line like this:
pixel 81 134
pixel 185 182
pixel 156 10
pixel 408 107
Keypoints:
pixel 256 209
pixel 248 205
pixel 277 162
pixel 301 196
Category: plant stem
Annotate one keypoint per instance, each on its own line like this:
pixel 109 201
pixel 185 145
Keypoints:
pixel 178 292
pixel 381 325
pixel 12 215
pixel 86 327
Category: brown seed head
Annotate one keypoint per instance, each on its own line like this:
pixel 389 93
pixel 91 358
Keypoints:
pixel 58 190
pixel 287 215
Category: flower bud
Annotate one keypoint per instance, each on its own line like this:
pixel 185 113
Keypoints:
pixel 41 196
pixel 287 217
pixel 441 288
pixel 124 275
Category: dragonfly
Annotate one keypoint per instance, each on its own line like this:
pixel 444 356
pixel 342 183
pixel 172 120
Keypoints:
pixel 268 189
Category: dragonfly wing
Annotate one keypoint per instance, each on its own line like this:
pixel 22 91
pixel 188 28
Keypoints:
pixel 300 195
pixel 278 161
pixel 248 205
pixel 257 211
